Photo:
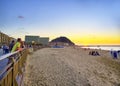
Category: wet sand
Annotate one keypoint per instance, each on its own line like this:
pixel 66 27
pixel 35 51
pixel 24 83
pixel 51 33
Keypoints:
pixel 71 66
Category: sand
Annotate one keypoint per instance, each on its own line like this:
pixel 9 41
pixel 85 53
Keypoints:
pixel 71 66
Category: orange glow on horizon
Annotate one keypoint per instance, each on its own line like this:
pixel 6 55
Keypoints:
pixel 88 40
pixel 103 40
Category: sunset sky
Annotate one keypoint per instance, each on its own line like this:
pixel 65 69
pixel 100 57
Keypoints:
pixel 83 21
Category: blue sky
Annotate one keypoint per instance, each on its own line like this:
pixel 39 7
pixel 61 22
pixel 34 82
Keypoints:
pixel 60 17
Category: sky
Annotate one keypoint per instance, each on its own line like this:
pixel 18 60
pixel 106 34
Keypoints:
pixel 83 21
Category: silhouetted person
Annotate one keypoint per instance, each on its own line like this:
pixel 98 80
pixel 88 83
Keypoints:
pixel 11 45
pixel 115 54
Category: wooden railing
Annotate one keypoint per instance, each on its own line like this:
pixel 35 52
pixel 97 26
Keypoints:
pixel 12 72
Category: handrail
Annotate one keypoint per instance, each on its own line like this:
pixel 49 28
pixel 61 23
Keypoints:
pixel 8 55
pixel 13 68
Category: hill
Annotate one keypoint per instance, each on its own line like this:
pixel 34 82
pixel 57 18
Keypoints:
pixel 62 40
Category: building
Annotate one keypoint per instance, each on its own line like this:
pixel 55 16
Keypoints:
pixel 36 40
pixel 31 39
pixel 4 39
pixel 44 40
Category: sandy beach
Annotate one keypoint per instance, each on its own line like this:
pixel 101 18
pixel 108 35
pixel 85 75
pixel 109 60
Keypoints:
pixel 71 66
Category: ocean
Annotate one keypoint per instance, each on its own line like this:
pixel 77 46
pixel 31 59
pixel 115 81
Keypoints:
pixel 104 48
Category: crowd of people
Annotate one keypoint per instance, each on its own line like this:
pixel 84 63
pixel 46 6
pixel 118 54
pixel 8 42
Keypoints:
pixel 13 46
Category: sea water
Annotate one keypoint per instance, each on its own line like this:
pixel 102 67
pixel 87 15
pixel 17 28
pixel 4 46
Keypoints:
pixel 104 48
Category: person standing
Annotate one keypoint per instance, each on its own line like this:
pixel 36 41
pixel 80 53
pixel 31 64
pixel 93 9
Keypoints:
pixel 5 49
pixel 115 54
pixel 11 45
pixel 17 45
pixel 118 54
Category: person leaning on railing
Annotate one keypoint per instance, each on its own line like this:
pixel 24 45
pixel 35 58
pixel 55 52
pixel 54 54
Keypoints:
pixel 17 45
pixel 11 45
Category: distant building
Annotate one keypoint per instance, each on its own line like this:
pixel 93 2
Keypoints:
pixel 36 39
pixel 5 39
pixel 44 40
pixel 30 39
pixel 11 38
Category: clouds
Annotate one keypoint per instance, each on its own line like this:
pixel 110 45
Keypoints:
pixel 21 17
